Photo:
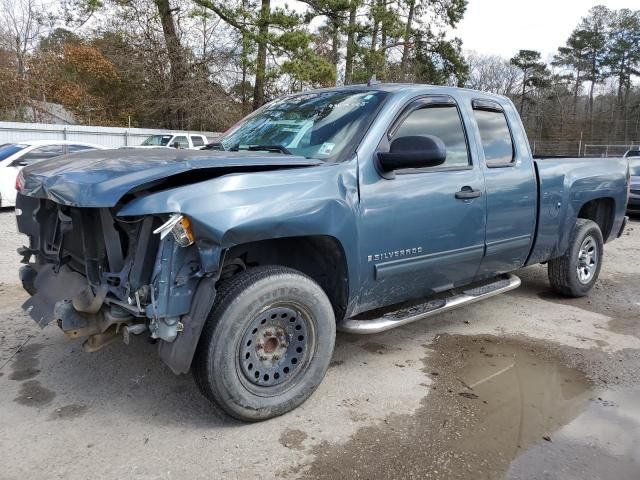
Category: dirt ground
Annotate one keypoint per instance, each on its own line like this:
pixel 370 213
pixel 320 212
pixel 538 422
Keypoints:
pixel 527 385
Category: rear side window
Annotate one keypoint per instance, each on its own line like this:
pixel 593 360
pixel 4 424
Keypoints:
pixel 496 137
pixel 197 140
pixel 444 122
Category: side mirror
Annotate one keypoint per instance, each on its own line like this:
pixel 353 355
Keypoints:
pixel 413 152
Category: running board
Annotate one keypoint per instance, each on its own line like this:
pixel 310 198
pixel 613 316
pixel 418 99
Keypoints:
pixel 403 316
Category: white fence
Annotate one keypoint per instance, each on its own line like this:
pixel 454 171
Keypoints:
pixel 110 137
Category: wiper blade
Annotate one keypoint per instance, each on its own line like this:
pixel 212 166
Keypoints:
pixel 213 146
pixel 269 148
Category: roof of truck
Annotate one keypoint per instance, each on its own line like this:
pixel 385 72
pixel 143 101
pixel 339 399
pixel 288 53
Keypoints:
pixel 401 87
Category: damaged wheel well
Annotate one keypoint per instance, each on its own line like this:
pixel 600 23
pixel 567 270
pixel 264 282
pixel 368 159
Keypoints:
pixel 321 257
pixel 601 211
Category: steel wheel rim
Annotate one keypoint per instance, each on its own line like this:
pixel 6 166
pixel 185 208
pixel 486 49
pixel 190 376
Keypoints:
pixel 587 260
pixel 275 348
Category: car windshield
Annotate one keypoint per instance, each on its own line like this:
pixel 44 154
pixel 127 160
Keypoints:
pixel 157 141
pixel 9 149
pixel 634 166
pixel 323 125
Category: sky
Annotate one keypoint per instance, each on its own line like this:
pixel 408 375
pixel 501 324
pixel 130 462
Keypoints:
pixel 502 27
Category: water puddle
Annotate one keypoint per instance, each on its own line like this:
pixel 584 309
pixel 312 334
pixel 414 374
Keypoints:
pixel 495 408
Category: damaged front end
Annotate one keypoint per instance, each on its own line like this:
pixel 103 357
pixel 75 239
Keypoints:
pixel 103 277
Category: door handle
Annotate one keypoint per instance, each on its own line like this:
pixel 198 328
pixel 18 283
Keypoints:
pixel 467 193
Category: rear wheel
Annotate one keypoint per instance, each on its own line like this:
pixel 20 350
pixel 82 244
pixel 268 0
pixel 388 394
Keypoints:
pixel 576 272
pixel 267 343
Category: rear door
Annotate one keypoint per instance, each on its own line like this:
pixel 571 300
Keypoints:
pixel 511 187
pixel 423 229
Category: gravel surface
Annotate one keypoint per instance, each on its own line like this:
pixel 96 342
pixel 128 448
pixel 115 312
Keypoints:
pixel 10 240
pixel 443 398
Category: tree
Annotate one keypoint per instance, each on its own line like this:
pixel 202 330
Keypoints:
pixel 574 56
pixel 594 30
pixel 533 73
pixel 491 73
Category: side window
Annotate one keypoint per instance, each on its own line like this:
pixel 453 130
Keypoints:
pixel 180 140
pixel 197 140
pixel 444 122
pixel 496 137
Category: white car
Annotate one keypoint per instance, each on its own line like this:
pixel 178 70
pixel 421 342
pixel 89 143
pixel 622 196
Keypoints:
pixel 175 140
pixel 14 156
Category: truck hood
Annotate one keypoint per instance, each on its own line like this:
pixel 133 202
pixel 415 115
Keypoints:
pixel 101 178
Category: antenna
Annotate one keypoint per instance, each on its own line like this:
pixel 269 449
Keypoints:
pixel 373 80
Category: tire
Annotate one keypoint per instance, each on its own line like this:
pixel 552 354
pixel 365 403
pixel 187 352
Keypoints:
pixel 267 343
pixel 576 272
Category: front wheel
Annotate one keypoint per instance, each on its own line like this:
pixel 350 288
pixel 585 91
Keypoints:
pixel 267 343
pixel 576 272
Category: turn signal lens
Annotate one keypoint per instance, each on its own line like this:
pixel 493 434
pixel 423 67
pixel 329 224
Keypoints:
pixel 180 227
pixel 182 233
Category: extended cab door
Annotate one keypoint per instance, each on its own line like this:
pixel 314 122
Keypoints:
pixel 422 230
pixel 511 187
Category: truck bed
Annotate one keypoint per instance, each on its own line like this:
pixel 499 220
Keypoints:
pixel 566 185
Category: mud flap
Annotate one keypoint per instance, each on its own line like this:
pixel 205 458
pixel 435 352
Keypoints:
pixel 179 353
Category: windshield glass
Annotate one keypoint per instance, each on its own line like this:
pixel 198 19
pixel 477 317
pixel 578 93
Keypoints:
pixel 323 125
pixel 157 140
pixel 9 149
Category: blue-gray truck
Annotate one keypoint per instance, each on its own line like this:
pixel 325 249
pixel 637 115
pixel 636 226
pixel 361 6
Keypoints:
pixel 356 209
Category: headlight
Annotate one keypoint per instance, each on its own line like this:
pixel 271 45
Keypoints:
pixel 180 227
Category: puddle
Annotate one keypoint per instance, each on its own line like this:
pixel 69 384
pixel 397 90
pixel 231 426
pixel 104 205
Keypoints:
pixel 601 442
pixel 491 401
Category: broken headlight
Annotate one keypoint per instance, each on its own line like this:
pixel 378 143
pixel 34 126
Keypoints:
pixel 180 227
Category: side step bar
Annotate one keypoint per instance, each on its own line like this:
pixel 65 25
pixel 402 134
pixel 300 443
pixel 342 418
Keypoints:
pixel 403 316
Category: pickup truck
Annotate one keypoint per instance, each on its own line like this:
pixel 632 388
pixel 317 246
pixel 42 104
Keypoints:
pixel 357 208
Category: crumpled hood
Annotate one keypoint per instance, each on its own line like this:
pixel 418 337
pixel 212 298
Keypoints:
pixel 100 178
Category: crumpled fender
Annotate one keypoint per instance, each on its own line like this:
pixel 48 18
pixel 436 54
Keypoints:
pixel 246 207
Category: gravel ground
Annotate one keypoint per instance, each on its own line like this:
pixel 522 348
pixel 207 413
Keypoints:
pixel 10 240
pixel 523 385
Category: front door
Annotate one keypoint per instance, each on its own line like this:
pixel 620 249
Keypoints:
pixel 423 230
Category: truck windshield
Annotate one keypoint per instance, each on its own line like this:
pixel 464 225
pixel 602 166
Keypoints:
pixel 157 141
pixel 323 125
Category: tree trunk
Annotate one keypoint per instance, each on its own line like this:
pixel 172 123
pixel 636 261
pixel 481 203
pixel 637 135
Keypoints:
pixel 351 44
pixel 261 60
pixel 524 91
pixel 404 63
pixel 335 46
pixel 177 63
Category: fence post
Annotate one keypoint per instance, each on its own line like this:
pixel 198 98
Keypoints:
pixel 534 147
pixel 126 138
pixel 64 133
pixel 580 145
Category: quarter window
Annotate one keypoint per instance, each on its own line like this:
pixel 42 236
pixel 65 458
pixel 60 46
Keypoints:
pixel 197 140
pixel 496 137
pixel 444 122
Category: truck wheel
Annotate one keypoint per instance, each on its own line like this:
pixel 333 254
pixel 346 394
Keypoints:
pixel 267 343
pixel 576 272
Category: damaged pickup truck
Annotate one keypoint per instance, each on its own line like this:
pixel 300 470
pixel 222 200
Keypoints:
pixel 360 209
